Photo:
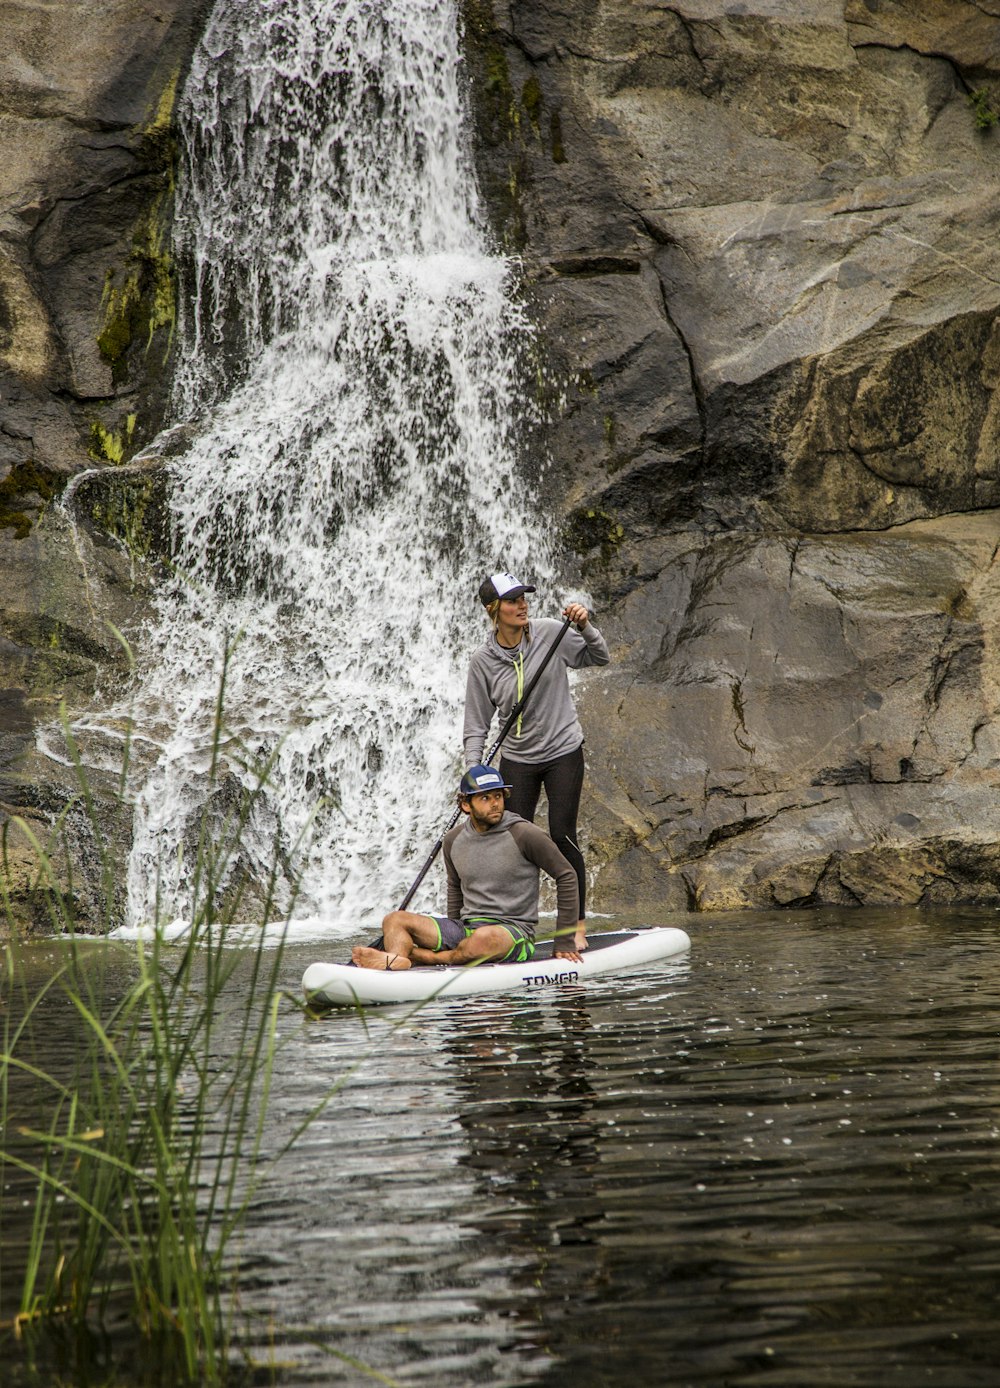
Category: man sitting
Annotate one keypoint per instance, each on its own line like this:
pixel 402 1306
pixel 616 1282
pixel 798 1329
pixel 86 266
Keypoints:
pixel 492 861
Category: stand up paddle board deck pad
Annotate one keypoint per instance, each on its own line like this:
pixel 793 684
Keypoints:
pixel 344 985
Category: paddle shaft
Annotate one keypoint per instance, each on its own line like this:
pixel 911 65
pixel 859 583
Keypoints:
pixel 515 713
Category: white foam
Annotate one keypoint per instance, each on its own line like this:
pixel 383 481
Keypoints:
pixel 351 343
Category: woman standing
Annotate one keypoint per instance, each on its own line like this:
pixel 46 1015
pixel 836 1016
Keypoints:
pixel 545 746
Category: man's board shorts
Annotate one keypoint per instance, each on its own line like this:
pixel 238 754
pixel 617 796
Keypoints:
pixel 452 933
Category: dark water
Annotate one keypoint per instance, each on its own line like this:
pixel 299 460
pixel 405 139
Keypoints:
pixel 774 1163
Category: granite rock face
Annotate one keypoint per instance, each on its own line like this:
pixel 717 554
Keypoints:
pixel 760 240
pixel 86 328
pixel 804 719
pixel 86 279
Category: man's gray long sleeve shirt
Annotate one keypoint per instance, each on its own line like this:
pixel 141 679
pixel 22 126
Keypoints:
pixel 496 873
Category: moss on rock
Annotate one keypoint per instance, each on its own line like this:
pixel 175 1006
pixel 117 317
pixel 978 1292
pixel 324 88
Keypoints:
pixel 23 480
pixel 591 529
pixel 111 446
pixel 132 508
pixel 140 297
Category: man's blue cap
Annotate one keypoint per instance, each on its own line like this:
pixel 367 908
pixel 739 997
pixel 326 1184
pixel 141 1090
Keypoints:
pixel 480 779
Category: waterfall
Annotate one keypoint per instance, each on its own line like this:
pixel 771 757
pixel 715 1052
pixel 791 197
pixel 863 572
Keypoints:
pixel 351 350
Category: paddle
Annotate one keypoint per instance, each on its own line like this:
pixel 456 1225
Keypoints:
pixel 515 713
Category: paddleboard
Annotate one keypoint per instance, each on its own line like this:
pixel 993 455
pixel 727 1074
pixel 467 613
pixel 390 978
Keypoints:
pixel 610 952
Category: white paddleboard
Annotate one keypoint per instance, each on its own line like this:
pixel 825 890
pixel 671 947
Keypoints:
pixel 344 985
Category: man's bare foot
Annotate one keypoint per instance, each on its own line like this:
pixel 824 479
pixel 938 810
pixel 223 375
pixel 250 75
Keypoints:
pixel 367 958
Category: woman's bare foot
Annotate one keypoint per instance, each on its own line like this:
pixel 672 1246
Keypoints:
pixel 367 958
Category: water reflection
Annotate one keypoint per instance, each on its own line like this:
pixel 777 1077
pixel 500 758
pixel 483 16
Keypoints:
pixel 527 1109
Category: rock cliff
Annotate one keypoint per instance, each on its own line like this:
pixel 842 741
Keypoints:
pixel 760 239
pixel 86 328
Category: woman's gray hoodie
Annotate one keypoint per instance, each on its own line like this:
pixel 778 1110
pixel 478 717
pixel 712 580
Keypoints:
pixel 549 727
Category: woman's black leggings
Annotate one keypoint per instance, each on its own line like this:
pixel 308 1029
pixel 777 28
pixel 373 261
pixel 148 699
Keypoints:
pixel 563 782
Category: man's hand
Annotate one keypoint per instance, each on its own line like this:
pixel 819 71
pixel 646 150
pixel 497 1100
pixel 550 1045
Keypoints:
pixel 573 951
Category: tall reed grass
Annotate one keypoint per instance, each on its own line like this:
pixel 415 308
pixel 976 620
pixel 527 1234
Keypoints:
pixel 153 1145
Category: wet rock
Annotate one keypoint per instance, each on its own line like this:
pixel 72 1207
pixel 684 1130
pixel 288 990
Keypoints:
pixel 760 244
pixel 800 216
pixel 86 281
pixel 759 240
pixel 802 720
pixel 86 331
pixel 72 596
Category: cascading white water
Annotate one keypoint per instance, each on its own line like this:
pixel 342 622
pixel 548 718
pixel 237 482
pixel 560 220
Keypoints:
pixel 350 348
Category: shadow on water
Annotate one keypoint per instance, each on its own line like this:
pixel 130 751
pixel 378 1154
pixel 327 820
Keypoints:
pixel 773 1164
